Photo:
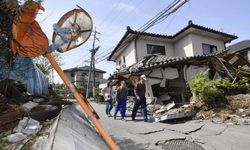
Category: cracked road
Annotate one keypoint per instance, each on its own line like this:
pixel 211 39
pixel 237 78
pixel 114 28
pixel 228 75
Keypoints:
pixel 134 135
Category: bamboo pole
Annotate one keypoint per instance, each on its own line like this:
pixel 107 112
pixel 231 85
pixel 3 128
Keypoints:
pixel 83 103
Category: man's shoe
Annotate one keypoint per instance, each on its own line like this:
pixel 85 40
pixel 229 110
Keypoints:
pixel 107 115
pixel 110 115
pixel 124 119
pixel 133 119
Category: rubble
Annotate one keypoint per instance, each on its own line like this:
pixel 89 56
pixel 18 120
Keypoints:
pixel 245 121
pixel 28 126
pixel 16 137
pixel 29 105
pixel 175 113
pixel 166 107
pixel 230 113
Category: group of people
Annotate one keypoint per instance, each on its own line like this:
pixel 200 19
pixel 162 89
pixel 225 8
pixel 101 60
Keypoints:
pixel 121 98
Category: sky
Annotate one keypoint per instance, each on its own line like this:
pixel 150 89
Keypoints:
pixel 111 17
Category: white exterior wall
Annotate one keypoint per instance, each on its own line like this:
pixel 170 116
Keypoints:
pixel 156 73
pixel 78 76
pixel 129 54
pixel 142 48
pixel 197 41
pixel 184 47
pixel 190 45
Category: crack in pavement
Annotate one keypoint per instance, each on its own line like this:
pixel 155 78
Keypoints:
pixel 151 132
pixel 222 131
pixel 187 133
pixel 196 140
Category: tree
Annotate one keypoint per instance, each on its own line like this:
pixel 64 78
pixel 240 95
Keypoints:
pixel 44 65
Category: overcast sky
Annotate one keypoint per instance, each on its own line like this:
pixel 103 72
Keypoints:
pixel 111 17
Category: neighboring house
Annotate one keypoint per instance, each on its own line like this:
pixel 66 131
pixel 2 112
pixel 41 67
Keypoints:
pixel 168 61
pixel 79 76
pixel 240 52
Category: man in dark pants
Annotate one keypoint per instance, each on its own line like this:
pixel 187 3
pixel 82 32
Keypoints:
pixel 121 97
pixel 140 99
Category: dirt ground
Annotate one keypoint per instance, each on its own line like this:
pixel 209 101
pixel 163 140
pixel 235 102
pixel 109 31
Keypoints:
pixel 237 107
pixel 9 115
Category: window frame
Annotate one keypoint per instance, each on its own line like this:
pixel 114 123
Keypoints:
pixel 158 51
pixel 211 49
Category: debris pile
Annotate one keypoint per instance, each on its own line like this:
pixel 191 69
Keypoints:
pixel 236 110
pixel 22 114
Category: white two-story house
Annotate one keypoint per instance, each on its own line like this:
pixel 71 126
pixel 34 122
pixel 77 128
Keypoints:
pixel 168 61
pixel 79 76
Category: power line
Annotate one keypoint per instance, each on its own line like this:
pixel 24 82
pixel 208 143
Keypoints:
pixel 118 13
pixel 162 15
pixel 111 12
pixel 125 17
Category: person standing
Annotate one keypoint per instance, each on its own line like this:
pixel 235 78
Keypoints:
pixel 140 99
pixel 121 97
pixel 107 94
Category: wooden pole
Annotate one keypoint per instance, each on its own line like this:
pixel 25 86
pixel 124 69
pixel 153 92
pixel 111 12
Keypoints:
pixel 82 101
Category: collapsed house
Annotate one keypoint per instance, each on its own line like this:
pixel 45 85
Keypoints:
pixel 169 62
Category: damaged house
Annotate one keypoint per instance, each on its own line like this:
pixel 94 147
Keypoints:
pixel 168 61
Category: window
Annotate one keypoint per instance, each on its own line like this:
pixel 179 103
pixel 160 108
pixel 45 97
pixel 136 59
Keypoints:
pixel 155 49
pixel 208 49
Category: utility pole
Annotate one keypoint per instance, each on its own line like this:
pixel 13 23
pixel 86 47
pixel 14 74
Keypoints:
pixel 95 50
pixel 89 77
pixel 92 65
pixel 93 59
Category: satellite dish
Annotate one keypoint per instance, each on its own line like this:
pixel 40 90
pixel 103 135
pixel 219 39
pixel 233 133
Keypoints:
pixel 80 22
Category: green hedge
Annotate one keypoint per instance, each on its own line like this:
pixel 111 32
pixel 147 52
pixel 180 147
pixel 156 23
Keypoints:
pixel 213 92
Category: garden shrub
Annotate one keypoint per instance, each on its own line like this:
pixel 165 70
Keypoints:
pixel 211 91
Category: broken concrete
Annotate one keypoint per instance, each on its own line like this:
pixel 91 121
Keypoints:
pixel 28 126
pixel 175 113
pixel 74 132
pixel 29 105
pixel 165 108
pixel 16 137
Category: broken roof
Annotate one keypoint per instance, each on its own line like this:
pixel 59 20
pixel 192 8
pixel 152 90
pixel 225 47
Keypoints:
pixel 159 61
pixel 240 46
pixel 190 28
pixel 84 68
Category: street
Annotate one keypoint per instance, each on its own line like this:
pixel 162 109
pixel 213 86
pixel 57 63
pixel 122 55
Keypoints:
pixel 145 135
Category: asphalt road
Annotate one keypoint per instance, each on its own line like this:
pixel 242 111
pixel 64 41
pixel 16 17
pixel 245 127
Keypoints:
pixel 134 135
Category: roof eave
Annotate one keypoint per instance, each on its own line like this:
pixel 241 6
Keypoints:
pixel 118 45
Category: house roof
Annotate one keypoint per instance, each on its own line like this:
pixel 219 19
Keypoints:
pixel 240 46
pixel 190 28
pixel 84 68
pixel 158 61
